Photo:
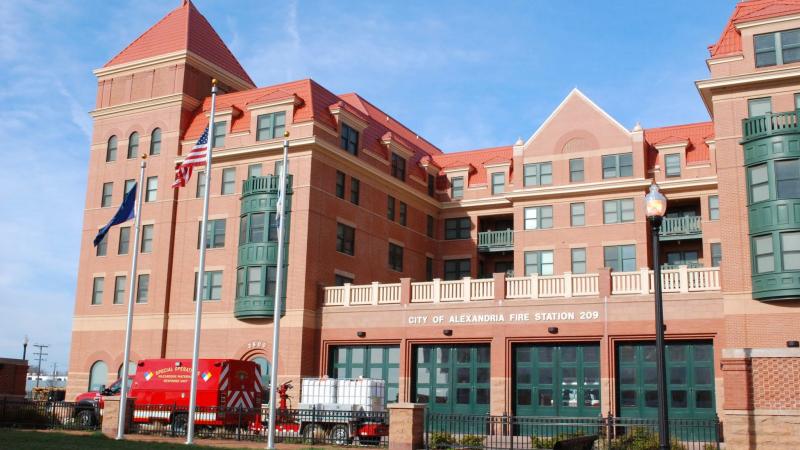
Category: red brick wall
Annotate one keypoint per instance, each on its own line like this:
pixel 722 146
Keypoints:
pixel 776 383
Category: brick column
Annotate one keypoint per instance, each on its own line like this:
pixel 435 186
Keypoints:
pixel 738 380
pixel 405 291
pixel 604 282
pixel 499 286
pixel 406 426
pixel 111 415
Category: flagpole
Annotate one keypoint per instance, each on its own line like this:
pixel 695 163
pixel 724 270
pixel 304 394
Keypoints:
pixel 276 315
pixel 123 402
pixel 198 297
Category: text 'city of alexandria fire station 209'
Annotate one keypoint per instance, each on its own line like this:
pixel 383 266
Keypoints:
pixel 515 279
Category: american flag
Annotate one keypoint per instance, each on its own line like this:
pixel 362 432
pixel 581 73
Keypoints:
pixel 197 157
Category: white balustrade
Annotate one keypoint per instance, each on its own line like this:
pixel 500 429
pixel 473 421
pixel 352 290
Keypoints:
pixel 551 286
pixel 585 284
pixel 451 291
pixel 482 289
pixel 567 285
pixel 626 283
pixel 518 287
pixel 703 279
pixel 334 296
pixel 360 295
pixel 389 293
pixel 422 292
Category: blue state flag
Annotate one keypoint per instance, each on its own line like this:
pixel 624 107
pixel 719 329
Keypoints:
pixel 124 214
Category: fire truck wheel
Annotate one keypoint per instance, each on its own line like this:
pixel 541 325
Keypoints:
pixel 85 418
pixel 179 424
pixel 340 435
pixel 313 433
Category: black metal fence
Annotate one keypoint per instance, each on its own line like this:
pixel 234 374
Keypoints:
pixel 299 426
pixel 46 415
pixel 446 431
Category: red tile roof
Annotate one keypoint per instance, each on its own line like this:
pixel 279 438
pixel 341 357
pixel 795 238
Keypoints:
pixel 696 134
pixel 475 158
pixel 184 28
pixel 731 40
pixel 314 102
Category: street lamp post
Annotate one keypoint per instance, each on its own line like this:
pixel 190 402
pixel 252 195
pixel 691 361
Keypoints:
pixel 656 205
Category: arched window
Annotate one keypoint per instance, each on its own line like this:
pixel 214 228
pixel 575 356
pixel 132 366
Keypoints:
pixel 131 369
pixel 155 142
pixel 263 368
pixel 111 149
pixel 98 376
pixel 133 145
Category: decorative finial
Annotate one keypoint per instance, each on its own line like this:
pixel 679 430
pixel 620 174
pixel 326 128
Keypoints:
pixel 519 141
pixel 637 127
pixel 213 81
pixel 285 134
pixel 144 155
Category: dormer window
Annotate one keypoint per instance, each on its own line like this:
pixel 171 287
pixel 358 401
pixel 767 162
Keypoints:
pixel 270 126
pixel 774 49
pixel 457 188
pixel 498 183
pixel 349 141
pixel 398 167
pixel 220 130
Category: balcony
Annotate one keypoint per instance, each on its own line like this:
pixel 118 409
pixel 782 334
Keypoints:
pixel 677 228
pixel 770 125
pixel 682 280
pixel 496 241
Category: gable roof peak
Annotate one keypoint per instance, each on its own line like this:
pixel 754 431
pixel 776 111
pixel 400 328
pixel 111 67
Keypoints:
pixel 183 29
pixel 576 93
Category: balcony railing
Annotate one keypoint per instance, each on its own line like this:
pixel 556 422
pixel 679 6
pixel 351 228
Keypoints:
pixel 496 241
pixel 567 285
pixel 770 124
pixel 686 227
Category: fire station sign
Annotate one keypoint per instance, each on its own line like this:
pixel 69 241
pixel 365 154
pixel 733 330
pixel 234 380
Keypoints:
pixel 465 319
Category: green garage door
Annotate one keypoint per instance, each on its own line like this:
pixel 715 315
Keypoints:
pixel 690 379
pixel 369 361
pixel 557 380
pixel 452 379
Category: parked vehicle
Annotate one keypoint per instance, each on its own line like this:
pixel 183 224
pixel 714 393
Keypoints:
pixel 160 389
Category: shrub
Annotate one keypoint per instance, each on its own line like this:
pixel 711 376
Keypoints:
pixel 641 439
pixel 550 441
pixel 442 439
pixel 472 441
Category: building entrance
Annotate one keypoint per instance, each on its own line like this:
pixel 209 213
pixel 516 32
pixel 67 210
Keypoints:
pixel 452 379
pixel 690 380
pixel 380 362
pixel 557 380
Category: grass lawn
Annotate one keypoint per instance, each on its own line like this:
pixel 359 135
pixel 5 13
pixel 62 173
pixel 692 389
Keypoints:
pixel 35 440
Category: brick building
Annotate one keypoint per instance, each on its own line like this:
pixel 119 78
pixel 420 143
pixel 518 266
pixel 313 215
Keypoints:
pixel 510 280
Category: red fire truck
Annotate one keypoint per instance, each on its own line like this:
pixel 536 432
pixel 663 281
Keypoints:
pixel 160 389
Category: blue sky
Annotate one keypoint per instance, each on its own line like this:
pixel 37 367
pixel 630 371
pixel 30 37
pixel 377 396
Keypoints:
pixel 463 74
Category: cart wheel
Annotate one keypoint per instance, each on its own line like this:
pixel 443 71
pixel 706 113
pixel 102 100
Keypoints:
pixel 340 435
pixel 179 424
pixel 313 433
pixel 86 418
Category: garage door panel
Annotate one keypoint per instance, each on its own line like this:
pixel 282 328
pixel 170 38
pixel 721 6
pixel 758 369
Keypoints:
pixel 556 379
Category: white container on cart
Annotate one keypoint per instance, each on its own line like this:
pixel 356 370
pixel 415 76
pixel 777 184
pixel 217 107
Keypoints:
pixel 364 394
pixel 316 391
